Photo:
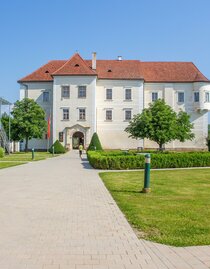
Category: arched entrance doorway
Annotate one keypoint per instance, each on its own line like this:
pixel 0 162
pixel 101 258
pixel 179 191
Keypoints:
pixel 77 139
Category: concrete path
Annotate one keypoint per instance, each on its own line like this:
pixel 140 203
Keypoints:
pixel 57 214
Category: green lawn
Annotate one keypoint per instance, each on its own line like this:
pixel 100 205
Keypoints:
pixel 9 164
pixel 176 212
pixel 22 156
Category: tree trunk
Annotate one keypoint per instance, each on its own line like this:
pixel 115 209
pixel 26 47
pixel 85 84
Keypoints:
pixel 26 145
pixel 160 147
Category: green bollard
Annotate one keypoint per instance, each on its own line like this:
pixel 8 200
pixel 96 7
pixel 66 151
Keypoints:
pixel 32 151
pixel 146 188
pixel 53 150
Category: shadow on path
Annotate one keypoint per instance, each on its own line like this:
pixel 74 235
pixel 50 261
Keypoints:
pixel 85 163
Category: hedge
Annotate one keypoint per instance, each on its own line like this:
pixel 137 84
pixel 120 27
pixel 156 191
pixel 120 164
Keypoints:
pixel 58 148
pixel 101 160
pixel 95 143
pixel 1 152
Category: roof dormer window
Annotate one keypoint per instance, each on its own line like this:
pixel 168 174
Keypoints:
pixel 76 65
pixel 109 70
pixel 46 72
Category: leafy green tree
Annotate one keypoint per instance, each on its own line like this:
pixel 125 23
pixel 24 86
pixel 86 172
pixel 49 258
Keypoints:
pixel 95 143
pixel 5 123
pixel 161 124
pixel 28 121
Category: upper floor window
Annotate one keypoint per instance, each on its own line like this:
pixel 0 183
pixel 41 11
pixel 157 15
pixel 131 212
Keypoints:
pixel 65 114
pixel 108 94
pixel 82 92
pixel 65 91
pixel 82 114
pixel 180 97
pixel 128 94
pixel 46 96
pixel 154 96
pixel 207 97
pixel 196 97
pixel 127 115
pixel 108 114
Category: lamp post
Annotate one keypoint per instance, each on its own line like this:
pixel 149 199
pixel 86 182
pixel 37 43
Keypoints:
pixel 147 188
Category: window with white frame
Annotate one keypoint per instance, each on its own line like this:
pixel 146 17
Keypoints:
pixel 82 114
pixel 180 97
pixel 108 94
pixel 65 113
pixel 154 96
pixel 196 97
pixel 65 91
pixel 82 92
pixel 207 97
pixel 46 97
pixel 128 95
pixel 127 114
pixel 109 114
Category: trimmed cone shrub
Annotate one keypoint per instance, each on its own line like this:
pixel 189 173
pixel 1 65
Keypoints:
pixel 95 143
pixel 58 148
pixel 1 152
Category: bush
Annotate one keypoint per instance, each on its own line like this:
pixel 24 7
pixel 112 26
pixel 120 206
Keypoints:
pixel 1 152
pixel 101 160
pixel 58 148
pixel 95 143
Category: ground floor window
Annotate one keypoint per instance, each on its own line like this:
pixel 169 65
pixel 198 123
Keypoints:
pixel 61 136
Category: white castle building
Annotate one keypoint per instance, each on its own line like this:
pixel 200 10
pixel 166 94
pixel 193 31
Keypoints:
pixel 87 96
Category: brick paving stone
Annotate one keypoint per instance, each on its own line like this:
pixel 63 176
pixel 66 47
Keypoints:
pixel 57 214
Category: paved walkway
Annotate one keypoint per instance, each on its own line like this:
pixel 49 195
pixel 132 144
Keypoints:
pixel 57 214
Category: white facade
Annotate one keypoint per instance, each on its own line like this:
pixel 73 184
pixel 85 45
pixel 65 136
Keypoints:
pixel 106 109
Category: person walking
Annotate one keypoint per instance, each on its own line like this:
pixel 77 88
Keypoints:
pixel 80 150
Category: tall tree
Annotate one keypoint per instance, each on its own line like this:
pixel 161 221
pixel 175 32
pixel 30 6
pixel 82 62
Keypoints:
pixel 160 123
pixel 28 121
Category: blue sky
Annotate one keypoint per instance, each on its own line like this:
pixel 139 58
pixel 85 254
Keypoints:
pixel 34 32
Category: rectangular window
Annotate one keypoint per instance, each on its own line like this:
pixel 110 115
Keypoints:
pixel 82 114
pixel 46 96
pixel 196 97
pixel 154 96
pixel 82 92
pixel 65 114
pixel 128 94
pixel 127 115
pixel 60 136
pixel 207 97
pixel 65 91
pixel 108 94
pixel 180 97
pixel 108 114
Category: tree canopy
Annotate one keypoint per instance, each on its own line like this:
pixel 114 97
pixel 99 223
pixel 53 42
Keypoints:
pixel 160 123
pixel 28 121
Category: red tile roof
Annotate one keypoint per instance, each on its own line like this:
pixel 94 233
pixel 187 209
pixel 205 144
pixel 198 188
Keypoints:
pixel 44 73
pixel 171 72
pixel 114 69
pixel 75 66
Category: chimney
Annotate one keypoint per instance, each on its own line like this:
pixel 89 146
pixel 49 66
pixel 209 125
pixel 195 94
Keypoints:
pixel 94 60
pixel 119 58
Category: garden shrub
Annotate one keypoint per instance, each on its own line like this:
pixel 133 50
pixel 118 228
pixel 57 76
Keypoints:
pixel 102 160
pixel 95 143
pixel 1 152
pixel 58 148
